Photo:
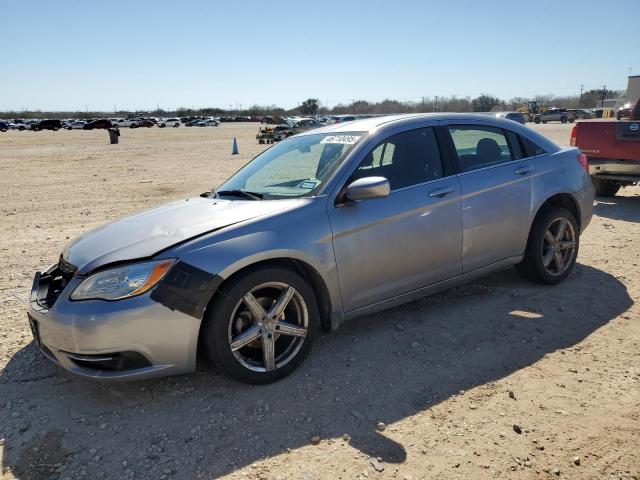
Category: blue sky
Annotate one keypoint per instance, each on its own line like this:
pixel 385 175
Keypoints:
pixel 64 55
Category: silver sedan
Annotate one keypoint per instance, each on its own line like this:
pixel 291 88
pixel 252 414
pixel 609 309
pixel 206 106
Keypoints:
pixel 334 223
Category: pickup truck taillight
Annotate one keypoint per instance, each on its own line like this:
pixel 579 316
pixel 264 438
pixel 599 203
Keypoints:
pixel 574 136
pixel 584 161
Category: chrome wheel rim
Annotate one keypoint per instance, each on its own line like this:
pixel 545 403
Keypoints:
pixel 268 326
pixel 559 246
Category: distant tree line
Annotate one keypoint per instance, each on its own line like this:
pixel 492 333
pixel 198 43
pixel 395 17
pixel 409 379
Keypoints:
pixel 311 106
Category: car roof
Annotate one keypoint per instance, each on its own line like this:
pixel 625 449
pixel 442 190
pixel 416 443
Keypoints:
pixel 372 124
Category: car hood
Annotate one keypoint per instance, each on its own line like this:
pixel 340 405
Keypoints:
pixel 146 233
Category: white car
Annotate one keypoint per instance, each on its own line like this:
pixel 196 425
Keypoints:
pixel 24 126
pixel 169 122
pixel 123 122
pixel 212 123
pixel 76 125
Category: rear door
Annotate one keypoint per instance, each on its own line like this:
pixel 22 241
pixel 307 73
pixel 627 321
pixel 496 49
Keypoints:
pixel 412 238
pixel 495 179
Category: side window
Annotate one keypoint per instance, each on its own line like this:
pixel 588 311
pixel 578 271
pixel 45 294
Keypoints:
pixel 406 159
pixel 514 145
pixel 479 146
pixel 531 148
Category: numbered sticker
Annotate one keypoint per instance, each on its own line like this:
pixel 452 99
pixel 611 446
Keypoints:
pixel 341 139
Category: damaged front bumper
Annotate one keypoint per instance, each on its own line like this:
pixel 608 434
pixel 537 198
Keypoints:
pixel 134 338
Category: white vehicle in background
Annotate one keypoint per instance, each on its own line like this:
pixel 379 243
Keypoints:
pixel 169 122
pixel 212 122
pixel 76 125
pixel 25 126
pixel 123 122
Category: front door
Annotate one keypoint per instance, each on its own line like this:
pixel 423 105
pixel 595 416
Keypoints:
pixel 412 238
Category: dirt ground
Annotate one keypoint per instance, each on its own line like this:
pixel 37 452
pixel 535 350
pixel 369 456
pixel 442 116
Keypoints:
pixel 499 378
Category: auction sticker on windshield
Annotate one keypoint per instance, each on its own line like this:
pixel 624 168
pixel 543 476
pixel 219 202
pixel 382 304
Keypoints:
pixel 341 139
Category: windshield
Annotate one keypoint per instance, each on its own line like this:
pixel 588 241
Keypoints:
pixel 295 167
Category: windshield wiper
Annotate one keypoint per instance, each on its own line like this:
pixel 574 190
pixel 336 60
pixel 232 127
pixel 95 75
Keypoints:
pixel 241 193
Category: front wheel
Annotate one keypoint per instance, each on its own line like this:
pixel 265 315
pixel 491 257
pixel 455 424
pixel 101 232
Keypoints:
pixel 261 325
pixel 604 188
pixel 552 247
pixel 536 120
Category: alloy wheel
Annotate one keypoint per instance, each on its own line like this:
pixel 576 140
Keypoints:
pixel 559 246
pixel 268 326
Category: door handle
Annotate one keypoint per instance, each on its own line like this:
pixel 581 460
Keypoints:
pixel 441 192
pixel 524 169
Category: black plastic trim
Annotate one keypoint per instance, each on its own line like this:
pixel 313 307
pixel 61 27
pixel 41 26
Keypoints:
pixel 187 289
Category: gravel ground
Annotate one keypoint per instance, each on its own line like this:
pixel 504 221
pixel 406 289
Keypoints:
pixel 498 378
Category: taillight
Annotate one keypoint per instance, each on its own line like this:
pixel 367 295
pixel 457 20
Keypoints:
pixel 584 161
pixel 574 135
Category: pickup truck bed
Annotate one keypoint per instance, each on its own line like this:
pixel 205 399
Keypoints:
pixel 613 151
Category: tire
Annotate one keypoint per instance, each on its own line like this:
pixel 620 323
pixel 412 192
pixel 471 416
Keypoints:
pixel 35 129
pixel 55 129
pixel 604 188
pixel 563 119
pixel 69 128
pixel 21 128
pixel 544 121
pixel 176 125
pixel 541 260
pixel 536 120
pixel 3 129
pixel 229 318
pixel 162 126
pixel 571 120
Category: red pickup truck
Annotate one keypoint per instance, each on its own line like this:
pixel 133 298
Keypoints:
pixel 613 151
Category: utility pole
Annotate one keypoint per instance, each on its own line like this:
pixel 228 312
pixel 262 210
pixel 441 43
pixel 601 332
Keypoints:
pixel 353 106
pixel 436 106
pixel 580 99
pixel 604 94
pixel 422 104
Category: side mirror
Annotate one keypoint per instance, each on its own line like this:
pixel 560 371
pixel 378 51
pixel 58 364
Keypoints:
pixel 368 188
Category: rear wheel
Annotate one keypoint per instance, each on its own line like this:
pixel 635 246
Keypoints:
pixel 604 188
pixel 162 125
pixel 563 119
pixel 552 247
pixel 35 129
pixel 261 325
pixel 536 120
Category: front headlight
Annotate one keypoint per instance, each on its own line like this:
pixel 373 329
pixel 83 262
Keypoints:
pixel 122 282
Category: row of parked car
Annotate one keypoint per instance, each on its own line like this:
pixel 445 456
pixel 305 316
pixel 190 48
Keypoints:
pixel 103 123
